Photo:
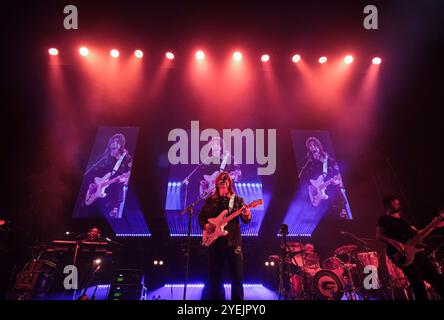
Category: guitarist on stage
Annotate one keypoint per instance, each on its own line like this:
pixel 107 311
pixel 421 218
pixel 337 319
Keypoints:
pixel 395 232
pixel 227 248
pixel 117 162
pixel 320 166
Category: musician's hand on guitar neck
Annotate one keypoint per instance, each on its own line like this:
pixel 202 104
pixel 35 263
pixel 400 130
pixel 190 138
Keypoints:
pixel 246 213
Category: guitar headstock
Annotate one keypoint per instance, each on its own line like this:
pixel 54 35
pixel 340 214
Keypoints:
pixel 256 203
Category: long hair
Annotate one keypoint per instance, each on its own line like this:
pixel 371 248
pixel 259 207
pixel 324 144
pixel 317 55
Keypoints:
pixel 218 179
pixel 318 144
pixel 122 141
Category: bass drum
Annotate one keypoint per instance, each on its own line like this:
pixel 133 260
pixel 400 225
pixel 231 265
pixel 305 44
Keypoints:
pixel 327 285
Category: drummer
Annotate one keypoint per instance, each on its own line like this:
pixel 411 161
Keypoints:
pixel 307 259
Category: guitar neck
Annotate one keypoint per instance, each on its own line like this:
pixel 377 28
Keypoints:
pixel 113 180
pixel 424 233
pixel 235 214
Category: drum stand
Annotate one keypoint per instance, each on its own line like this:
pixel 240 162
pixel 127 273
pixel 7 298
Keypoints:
pixel 284 274
pixel 350 291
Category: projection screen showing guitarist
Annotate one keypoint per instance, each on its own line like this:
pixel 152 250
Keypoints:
pixel 105 182
pixel 321 181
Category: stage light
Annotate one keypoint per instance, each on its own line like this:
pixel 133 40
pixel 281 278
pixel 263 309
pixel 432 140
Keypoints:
pixel 322 60
pixel 376 60
pixel 267 263
pixel 272 263
pixel 296 58
pixel 83 51
pixel 53 52
pixel 265 58
pixel 161 263
pixel 348 59
pixel 237 56
pixel 200 55
pixel 98 261
pixel 155 262
pixel 169 55
pixel 2 222
pixel 138 54
pixel 114 53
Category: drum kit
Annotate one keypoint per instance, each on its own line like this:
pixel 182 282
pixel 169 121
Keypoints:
pixel 338 277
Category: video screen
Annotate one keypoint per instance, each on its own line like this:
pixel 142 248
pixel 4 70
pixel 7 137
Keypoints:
pixel 189 182
pixel 104 188
pixel 321 190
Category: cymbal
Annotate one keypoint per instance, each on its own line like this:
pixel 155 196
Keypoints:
pixel 349 248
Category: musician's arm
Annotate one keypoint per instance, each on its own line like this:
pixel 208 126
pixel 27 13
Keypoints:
pixel 246 214
pixel 380 236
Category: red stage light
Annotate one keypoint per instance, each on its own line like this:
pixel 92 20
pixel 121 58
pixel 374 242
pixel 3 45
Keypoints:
pixel 348 59
pixel 53 51
pixel 83 51
pixel 376 60
pixel 265 58
pixel 237 56
pixel 296 58
pixel 169 55
pixel 322 59
pixel 138 53
pixel 200 55
pixel 114 53
pixel 2 222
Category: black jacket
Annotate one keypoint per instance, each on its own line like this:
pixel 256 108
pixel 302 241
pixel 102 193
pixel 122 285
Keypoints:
pixel 214 206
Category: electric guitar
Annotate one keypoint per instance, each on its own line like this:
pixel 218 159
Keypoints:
pixel 406 257
pixel 98 187
pixel 317 188
pixel 208 181
pixel 218 223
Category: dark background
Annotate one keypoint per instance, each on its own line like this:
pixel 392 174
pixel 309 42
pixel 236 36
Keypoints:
pixel 45 145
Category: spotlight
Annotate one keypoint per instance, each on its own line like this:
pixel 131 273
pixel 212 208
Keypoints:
pixel 2 222
pixel 237 56
pixel 200 55
pixel 348 59
pixel 169 55
pixel 155 262
pixel 376 60
pixel 296 58
pixel 138 54
pixel 53 51
pixel 98 261
pixel 322 60
pixel 161 263
pixel 267 263
pixel 272 263
pixel 114 53
pixel 265 58
pixel 83 51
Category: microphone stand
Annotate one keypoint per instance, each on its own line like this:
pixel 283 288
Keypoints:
pixel 190 210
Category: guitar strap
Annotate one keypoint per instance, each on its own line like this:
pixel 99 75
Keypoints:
pixel 231 203
pixel 325 166
pixel 117 165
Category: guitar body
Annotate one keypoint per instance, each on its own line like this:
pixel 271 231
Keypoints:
pixel 221 221
pixel 405 258
pixel 219 231
pixel 316 190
